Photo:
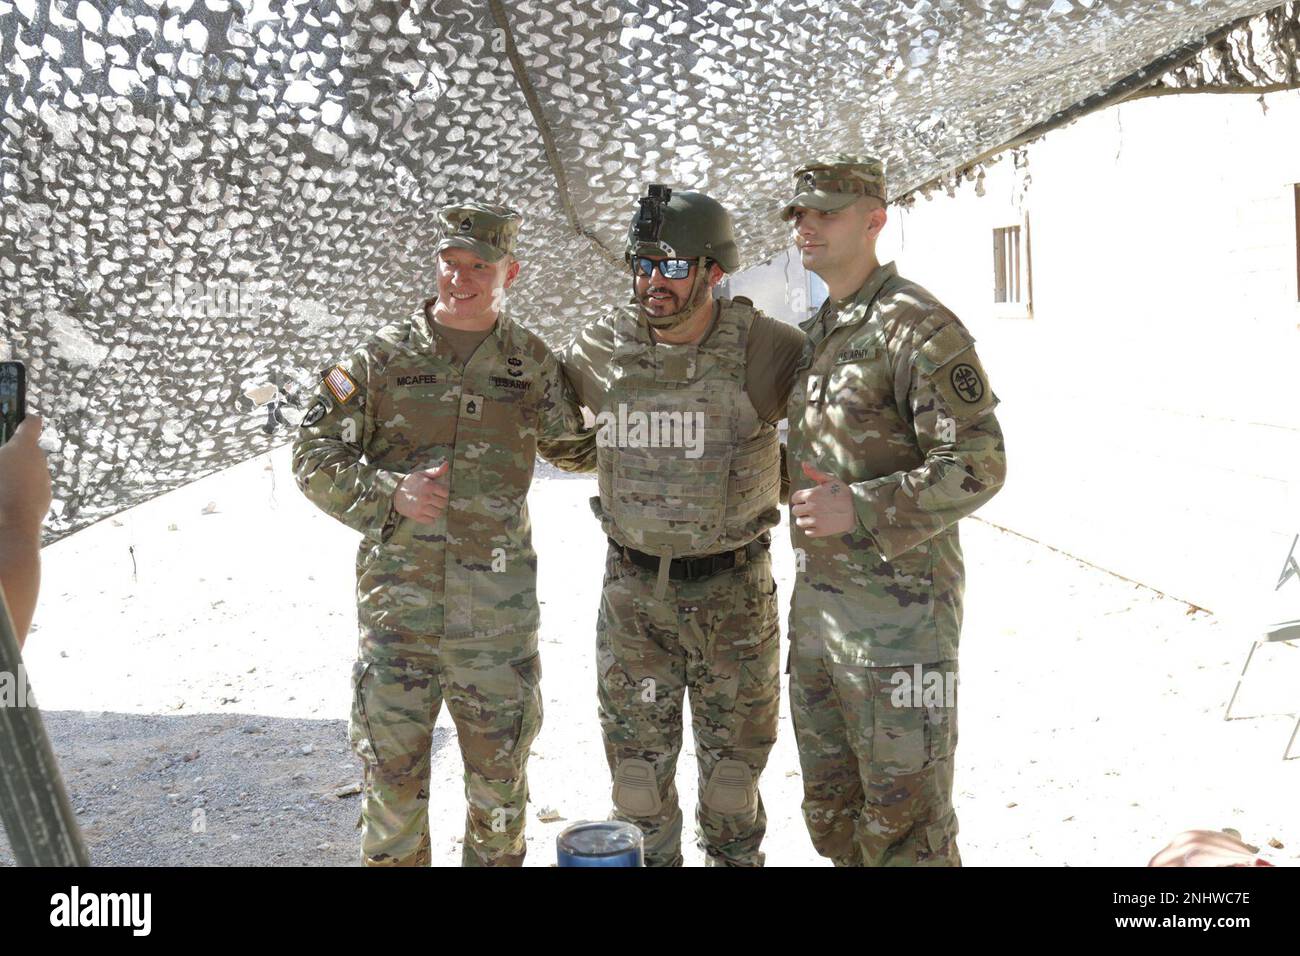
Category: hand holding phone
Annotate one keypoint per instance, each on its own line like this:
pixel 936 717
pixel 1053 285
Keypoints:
pixel 25 490
pixel 24 473
pixel 13 398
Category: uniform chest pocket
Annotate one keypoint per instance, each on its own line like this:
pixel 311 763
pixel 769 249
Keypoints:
pixel 511 410
pixel 860 378
pixel 420 408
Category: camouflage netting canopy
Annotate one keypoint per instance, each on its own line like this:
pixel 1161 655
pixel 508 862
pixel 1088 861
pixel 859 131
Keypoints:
pixel 204 202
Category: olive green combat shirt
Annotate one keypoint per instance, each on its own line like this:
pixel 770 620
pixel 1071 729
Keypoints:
pixel 891 400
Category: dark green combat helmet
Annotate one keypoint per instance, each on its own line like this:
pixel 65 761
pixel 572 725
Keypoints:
pixel 682 225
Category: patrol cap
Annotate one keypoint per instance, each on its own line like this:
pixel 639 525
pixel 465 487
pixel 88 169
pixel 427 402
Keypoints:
pixel 486 230
pixel 836 181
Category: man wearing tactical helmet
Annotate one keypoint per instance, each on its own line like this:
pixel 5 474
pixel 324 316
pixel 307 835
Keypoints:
pixel 424 441
pixel 893 439
pixel 688 601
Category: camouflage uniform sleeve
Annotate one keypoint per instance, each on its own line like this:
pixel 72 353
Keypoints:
pixel 592 349
pixel 561 439
pixel 329 450
pixel 951 408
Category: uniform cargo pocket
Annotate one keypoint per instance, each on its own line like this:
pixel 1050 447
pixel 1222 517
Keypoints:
pixel 529 724
pixel 899 739
pixel 359 735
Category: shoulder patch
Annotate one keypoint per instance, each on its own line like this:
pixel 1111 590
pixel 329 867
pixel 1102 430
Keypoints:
pixel 315 413
pixel 742 300
pixel 963 386
pixel 946 344
pixel 340 384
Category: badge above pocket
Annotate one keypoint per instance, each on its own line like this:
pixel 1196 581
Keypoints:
pixel 858 370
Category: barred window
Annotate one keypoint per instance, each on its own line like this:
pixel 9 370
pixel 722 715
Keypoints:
pixel 1006 265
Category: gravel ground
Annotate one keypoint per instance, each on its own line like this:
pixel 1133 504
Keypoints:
pixel 210 790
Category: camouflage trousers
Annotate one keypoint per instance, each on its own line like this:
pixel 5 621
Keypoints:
pixel 493 694
pixel 877 753
pixel 719 638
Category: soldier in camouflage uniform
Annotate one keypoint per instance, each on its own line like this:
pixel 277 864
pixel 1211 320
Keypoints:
pixel 892 440
pixel 688 598
pixel 424 440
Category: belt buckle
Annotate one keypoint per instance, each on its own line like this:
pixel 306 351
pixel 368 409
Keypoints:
pixel 717 564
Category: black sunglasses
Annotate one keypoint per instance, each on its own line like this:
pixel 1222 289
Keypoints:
pixel 668 268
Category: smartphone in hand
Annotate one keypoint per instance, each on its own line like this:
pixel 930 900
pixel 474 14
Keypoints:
pixel 13 398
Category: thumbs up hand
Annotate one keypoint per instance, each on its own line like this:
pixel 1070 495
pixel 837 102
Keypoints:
pixel 824 509
pixel 422 496
pixel 814 474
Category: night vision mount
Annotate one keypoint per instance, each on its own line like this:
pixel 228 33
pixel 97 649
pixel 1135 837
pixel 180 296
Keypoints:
pixel 650 219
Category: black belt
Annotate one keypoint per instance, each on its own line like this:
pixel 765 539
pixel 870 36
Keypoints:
pixel 696 569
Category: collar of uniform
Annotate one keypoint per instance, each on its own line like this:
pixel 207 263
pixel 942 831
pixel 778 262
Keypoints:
pixel 422 327
pixel 855 308
pixel 503 329
pixel 815 319
pixel 427 339
pixel 852 310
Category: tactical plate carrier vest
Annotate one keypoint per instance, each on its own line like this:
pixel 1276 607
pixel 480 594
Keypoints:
pixel 686 466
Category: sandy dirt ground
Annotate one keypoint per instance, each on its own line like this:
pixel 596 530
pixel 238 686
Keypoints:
pixel 191 659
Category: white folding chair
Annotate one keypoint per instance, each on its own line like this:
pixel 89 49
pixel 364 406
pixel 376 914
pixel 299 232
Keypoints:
pixel 1283 631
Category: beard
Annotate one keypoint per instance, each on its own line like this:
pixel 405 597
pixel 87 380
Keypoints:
pixel 666 306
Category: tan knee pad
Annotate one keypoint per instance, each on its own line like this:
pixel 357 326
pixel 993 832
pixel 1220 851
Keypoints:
pixel 731 788
pixel 636 792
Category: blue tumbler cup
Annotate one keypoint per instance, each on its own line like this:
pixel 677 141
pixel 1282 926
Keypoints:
pixel 607 843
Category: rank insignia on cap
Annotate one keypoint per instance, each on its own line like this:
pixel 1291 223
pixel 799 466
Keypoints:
pixel 809 181
pixel 466 224
pixel 340 384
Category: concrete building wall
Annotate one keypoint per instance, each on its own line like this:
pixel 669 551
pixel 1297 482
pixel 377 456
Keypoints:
pixel 780 287
pixel 1151 388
